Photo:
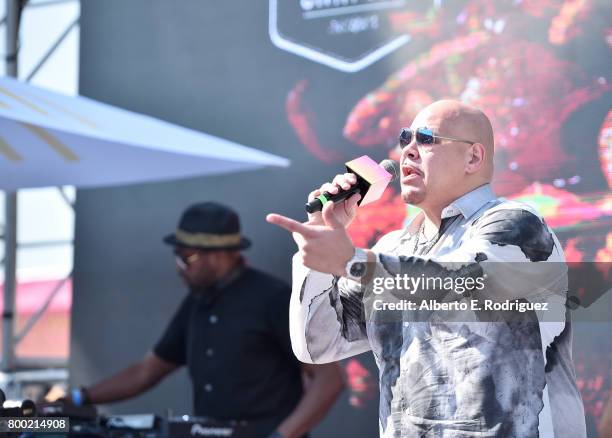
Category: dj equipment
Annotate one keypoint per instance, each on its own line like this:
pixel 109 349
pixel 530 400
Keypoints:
pixel 85 423
pixel 63 409
pixel 26 409
pixel 186 427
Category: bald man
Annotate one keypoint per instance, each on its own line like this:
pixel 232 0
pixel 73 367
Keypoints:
pixel 449 365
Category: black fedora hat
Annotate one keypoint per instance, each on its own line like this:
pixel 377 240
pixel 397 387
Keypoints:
pixel 209 226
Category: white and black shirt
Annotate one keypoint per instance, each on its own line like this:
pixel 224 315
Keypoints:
pixel 462 373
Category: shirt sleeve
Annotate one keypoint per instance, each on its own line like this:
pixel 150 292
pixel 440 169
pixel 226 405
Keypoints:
pixel 327 316
pixel 172 345
pixel 505 246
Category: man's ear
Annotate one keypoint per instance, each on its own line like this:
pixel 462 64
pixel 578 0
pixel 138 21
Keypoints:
pixel 475 158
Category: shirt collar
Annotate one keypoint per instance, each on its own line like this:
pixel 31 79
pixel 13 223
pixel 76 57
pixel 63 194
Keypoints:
pixel 469 203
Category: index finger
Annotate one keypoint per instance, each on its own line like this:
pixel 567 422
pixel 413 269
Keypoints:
pixel 289 224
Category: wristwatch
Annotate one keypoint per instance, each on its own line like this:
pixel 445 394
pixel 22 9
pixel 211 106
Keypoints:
pixel 357 266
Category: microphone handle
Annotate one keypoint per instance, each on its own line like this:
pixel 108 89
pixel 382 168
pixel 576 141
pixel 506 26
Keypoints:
pixel 317 203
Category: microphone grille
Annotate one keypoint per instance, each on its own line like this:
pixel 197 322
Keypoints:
pixel 392 167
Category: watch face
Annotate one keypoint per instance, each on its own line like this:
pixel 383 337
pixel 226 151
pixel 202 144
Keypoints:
pixel 358 269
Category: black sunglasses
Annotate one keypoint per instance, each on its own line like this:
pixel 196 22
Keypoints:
pixel 184 261
pixel 424 136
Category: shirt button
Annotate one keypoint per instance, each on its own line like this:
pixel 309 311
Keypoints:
pixel 208 387
pixel 213 319
pixel 209 352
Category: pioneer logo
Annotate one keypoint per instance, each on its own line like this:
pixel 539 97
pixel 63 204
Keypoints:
pixel 199 430
pixel 347 35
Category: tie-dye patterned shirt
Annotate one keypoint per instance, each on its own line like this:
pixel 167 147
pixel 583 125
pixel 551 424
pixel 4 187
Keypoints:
pixel 459 374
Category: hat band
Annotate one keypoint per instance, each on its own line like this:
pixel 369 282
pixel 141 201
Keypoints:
pixel 208 240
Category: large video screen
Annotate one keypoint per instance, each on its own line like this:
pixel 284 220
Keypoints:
pixel 539 69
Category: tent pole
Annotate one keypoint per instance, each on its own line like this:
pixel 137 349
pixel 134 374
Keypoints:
pixel 13 11
pixel 10 269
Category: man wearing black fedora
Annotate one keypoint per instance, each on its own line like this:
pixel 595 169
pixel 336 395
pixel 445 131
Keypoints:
pixel 232 332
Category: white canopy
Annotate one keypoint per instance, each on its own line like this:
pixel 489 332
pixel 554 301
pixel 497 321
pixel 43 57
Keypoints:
pixel 48 139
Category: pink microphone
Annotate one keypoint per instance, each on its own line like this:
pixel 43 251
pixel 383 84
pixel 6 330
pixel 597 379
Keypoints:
pixel 372 180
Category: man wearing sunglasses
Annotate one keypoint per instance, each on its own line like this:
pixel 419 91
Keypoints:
pixel 232 332
pixel 451 373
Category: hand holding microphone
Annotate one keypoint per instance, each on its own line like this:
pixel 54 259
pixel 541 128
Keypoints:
pixel 323 243
pixel 367 176
pixel 346 211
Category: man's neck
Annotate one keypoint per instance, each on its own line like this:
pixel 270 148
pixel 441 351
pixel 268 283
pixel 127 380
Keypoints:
pixel 229 270
pixel 225 275
pixel 431 222
pixel 433 214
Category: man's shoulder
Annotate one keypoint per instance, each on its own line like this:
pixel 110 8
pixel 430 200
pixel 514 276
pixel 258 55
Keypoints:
pixel 503 205
pixel 510 212
pixel 513 223
pixel 269 284
pixel 271 294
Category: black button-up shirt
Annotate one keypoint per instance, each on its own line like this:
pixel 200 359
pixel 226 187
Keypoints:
pixel 234 338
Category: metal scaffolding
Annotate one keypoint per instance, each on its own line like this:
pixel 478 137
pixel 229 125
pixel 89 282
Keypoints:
pixel 10 340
